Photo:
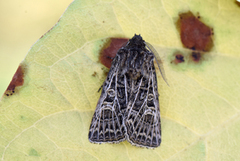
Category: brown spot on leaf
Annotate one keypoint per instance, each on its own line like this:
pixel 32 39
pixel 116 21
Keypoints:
pixel 194 34
pixel 17 80
pixel 237 3
pixel 110 50
pixel 94 74
pixel 179 58
pixel 105 71
pixel 196 56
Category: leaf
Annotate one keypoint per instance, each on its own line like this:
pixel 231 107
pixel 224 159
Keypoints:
pixel 48 117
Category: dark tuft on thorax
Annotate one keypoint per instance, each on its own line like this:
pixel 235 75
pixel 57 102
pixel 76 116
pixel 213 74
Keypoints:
pixel 136 43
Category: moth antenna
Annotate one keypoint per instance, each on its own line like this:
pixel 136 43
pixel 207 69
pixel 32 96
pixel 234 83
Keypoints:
pixel 158 60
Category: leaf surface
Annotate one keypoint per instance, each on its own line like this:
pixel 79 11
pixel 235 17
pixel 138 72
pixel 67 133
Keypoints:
pixel 48 118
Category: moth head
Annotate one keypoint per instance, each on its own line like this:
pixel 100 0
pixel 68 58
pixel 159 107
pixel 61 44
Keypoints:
pixel 136 42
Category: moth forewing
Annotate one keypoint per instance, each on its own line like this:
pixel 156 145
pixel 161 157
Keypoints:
pixel 107 121
pixel 143 121
pixel 128 108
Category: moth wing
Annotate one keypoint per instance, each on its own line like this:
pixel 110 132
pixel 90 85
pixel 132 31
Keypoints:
pixel 107 123
pixel 143 115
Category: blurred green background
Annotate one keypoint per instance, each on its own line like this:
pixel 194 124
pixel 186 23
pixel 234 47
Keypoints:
pixel 22 23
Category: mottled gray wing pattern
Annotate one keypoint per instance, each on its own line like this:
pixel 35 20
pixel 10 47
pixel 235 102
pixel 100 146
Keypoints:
pixel 143 115
pixel 128 108
pixel 107 123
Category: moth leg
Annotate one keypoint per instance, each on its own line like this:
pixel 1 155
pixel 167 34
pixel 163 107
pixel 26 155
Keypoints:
pixel 100 88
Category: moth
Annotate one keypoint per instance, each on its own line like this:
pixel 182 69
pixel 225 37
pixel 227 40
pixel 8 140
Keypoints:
pixel 128 108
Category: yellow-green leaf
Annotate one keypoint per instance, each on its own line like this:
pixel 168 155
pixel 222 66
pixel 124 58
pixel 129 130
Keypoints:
pixel 48 117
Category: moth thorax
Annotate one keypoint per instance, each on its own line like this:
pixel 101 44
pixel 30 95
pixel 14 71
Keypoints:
pixel 134 73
